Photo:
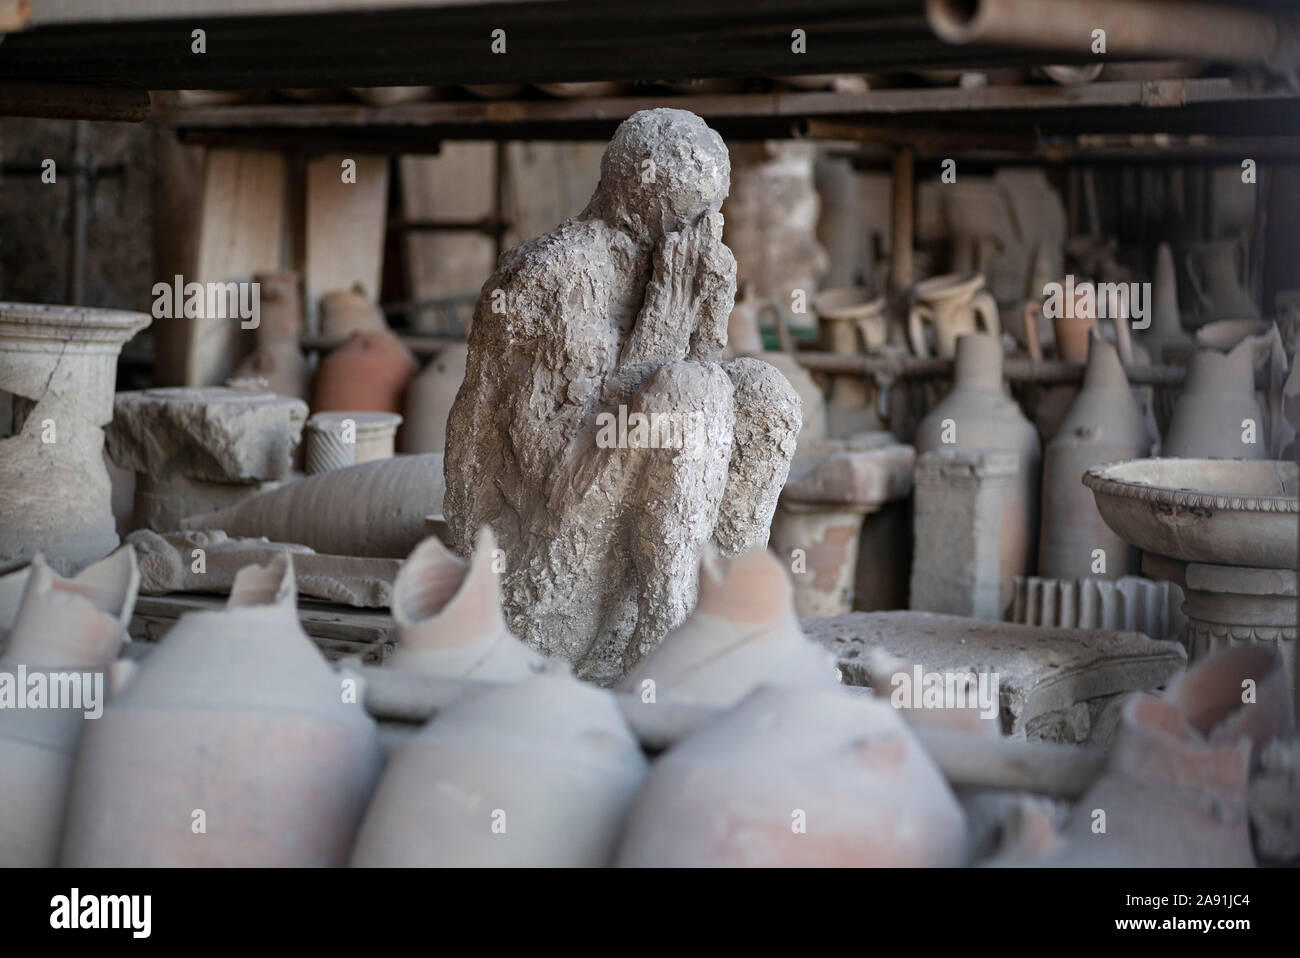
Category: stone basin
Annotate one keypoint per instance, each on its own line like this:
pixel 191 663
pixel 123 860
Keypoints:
pixel 1221 511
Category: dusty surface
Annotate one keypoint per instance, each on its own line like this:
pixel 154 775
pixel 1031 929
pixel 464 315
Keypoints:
pixel 1040 670
pixel 215 433
pixel 171 563
pixel 621 310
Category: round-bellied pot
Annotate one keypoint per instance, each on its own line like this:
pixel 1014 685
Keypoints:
pixel 796 777
pixel 74 627
pixel 369 372
pixel 742 634
pixel 235 744
pixel 429 399
pixel 448 617
pixel 536 774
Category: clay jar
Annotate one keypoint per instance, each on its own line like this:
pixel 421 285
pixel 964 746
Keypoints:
pixel 952 305
pixel 742 634
pixel 68 624
pixel 1105 424
pixel 448 617
pixel 796 777
pixel 347 311
pixel 1073 327
pixel 282 366
pixel 539 774
pixel 1217 414
pixel 978 415
pixel 850 318
pixel 1174 790
pixel 373 509
pixel 236 715
pixel 1215 269
pixel 429 399
pixel 277 358
pixel 280 313
pixel 1166 331
pixel 368 372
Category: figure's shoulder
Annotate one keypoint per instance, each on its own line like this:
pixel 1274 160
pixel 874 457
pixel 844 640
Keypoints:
pixel 576 247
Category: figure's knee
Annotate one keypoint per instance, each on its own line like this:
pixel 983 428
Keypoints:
pixel 686 387
pixel 764 397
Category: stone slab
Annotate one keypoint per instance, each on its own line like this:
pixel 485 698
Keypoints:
pixel 213 434
pixel 1040 670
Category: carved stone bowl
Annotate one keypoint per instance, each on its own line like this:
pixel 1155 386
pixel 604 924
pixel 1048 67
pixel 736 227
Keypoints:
pixel 1220 511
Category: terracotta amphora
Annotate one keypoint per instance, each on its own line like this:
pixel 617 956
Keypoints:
pixel 1217 415
pixel 796 777
pixel 1216 270
pixel 280 315
pixel 1072 327
pixel 281 365
pixel 977 414
pixel 429 398
pixel 1105 424
pixel 1173 793
pixel 347 311
pixel 742 634
pixel 536 774
pixel 373 509
pixel 448 617
pixel 952 305
pixel 234 744
pixel 75 626
pixel 368 372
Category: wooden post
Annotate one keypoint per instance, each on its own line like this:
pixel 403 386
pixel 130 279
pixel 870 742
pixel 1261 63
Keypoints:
pixel 902 228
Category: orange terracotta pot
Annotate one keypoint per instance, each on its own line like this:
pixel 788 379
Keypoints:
pixel 367 373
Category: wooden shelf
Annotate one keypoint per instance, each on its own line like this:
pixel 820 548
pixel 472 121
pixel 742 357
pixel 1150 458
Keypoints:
pixel 1007 118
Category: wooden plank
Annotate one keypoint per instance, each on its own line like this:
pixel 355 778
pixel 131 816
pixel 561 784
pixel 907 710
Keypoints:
pixel 549 182
pixel 338 630
pixel 456 184
pixel 1124 94
pixel 345 223
pixel 177 193
pixel 241 227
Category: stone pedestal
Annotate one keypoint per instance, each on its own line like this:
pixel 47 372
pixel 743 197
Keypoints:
pixel 958 524
pixel 833 486
pixel 202 449
pixel 60 365
pixel 1233 605
pixel 333 444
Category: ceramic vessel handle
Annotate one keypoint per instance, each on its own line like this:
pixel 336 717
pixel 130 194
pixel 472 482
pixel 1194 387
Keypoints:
pixel 917 317
pixel 1031 313
pixel 986 309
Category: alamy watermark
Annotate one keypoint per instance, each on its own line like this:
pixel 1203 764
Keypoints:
pixel 75 911
pixel 1102 300
pixel 242 301
pixel 654 430
pixel 24 688
pixel 919 689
